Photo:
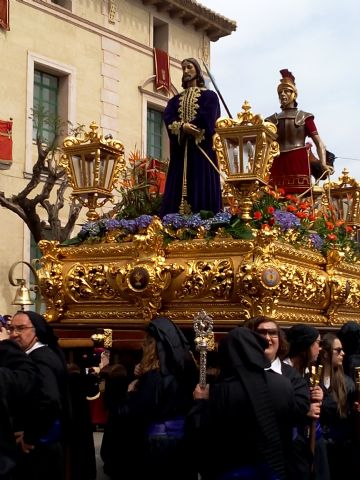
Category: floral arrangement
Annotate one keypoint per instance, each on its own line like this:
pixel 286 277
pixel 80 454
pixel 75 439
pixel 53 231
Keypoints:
pixel 300 224
pixel 291 217
pixel 142 187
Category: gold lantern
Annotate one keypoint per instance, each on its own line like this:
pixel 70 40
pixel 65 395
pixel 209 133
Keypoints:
pixel 344 197
pixel 93 165
pixel 245 149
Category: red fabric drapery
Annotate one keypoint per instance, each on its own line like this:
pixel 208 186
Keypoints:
pixel 4 14
pixel 162 70
pixel 5 142
pixel 156 176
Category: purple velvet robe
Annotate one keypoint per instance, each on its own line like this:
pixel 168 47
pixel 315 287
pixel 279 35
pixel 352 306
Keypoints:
pixel 203 181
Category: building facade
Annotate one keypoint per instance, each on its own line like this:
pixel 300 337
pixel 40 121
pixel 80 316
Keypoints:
pixel 90 60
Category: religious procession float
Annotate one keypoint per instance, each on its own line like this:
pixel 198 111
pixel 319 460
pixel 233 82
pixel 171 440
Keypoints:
pixel 292 258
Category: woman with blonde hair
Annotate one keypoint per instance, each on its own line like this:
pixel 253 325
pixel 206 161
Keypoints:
pixel 151 419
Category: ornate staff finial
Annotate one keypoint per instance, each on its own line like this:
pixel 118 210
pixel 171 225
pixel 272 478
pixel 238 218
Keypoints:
pixel 315 375
pixel 357 379
pixel 204 340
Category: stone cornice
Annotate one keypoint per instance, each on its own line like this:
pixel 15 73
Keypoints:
pixel 193 13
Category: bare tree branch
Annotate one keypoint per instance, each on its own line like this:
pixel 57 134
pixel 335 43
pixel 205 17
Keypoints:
pixel 46 172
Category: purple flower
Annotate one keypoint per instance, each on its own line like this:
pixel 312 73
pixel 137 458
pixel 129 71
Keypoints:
pixel 193 221
pixel 174 220
pixel 316 241
pixel 129 225
pixel 111 224
pixel 143 221
pixel 222 217
pixel 286 220
pixel 90 229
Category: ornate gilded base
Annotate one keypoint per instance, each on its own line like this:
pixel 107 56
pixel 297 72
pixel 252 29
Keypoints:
pixel 124 285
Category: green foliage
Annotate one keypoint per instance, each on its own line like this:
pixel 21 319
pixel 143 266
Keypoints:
pixel 141 187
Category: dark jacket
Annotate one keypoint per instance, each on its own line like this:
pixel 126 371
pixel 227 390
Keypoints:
pixel 246 422
pixel 19 382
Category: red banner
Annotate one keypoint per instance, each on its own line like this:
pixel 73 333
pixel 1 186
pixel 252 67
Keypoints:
pixel 5 142
pixel 4 14
pixel 162 70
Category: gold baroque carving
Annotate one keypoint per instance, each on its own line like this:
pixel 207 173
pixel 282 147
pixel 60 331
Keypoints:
pixel 104 315
pixel 72 277
pixel 221 245
pixel 210 278
pixel 301 255
pixel 303 285
pixel 303 316
pixel 143 282
pixel 150 242
pixel 235 316
pixel 85 281
pixel 50 279
pixel 353 299
pixel 98 250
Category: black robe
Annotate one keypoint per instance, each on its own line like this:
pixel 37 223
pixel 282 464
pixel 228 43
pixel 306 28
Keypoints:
pixel 49 425
pixel 339 434
pixel 19 382
pixel 162 395
pixel 246 423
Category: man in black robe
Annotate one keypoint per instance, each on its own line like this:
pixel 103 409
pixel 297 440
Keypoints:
pixel 193 179
pixel 19 382
pixel 43 441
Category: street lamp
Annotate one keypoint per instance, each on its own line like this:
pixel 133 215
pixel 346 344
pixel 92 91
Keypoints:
pixel 22 296
pixel 93 165
pixel 245 149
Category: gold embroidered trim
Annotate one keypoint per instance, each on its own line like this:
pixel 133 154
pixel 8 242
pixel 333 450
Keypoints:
pixel 188 104
pixel 200 136
pixel 175 127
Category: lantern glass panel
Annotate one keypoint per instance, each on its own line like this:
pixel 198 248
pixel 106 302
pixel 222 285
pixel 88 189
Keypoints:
pixel 343 208
pixel 83 166
pixel 248 153
pixel 241 153
pixel 232 148
pixel 107 163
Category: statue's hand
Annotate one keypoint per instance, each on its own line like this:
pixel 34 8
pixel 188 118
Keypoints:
pixel 328 168
pixel 190 129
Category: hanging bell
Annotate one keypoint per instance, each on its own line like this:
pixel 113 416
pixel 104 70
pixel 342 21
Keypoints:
pixel 22 296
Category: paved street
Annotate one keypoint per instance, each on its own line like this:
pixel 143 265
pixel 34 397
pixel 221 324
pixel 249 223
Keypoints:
pixel 100 474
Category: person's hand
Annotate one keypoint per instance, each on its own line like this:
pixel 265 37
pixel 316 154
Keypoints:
pixel 19 436
pixel 132 386
pixel 104 359
pixel 328 168
pixel 137 370
pixel 316 394
pixel 4 333
pixel 314 411
pixel 201 393
pixel 190 129
pixel 25 447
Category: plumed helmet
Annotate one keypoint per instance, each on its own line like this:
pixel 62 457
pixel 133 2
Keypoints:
pixel 287 81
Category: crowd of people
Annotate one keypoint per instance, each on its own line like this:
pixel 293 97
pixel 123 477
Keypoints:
pixel 260 416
